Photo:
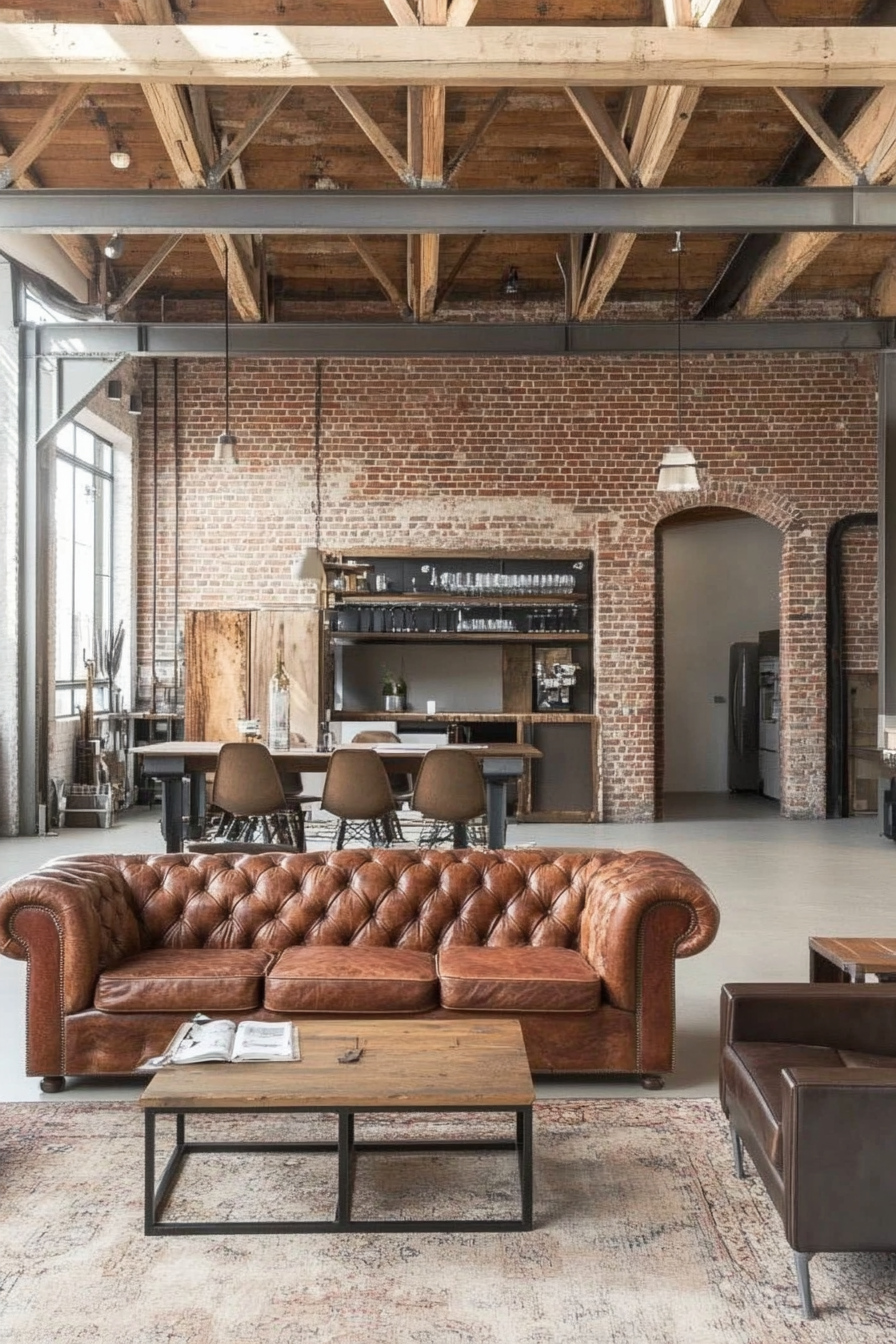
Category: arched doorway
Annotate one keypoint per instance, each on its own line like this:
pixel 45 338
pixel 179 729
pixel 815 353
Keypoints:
pixel 718 573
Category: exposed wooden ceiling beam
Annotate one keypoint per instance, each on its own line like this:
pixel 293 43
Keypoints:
pixel 663 117
pixel 460 13
pixel 402 13
pixel 246 135
pixel 678 13
pixel 41 133
pixel 448 284
pixel 715 57
pixel 375 135
pixel 601 125
pixel 871 140
pixel 883 291
pixel 476 135
pixel 432 14
pixel 814 124
pixel 146 272
pixel 380 276
pixel 79 250
pixel 174 121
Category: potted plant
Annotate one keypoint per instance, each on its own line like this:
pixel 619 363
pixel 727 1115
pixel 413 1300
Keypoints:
pixel 394 692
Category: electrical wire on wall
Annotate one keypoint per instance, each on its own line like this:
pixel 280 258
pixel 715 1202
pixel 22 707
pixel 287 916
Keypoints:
pixel 155 526
pixel 176 451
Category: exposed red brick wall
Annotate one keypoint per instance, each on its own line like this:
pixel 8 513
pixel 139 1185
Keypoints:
pixel 860 652
pixel 513 453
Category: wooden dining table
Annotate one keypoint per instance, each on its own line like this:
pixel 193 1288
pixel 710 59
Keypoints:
pixel 176 763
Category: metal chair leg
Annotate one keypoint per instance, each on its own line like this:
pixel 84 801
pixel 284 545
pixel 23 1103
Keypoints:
pixel 801 1264
pixel 737 1147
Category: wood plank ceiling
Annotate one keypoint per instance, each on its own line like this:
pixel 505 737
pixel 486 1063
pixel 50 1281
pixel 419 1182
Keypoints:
pixel 232 135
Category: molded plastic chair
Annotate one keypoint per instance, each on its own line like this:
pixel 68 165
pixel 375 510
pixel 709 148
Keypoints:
pixel 249 793
pixel 404 792
pixel 357 791
pixel 451 794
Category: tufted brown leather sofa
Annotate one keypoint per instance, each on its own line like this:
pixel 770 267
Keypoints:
pixel 580 947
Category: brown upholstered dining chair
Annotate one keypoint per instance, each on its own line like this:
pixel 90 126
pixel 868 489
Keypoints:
pixel 358 793
pixel 451 795
pixel 248 794
pixel 402 785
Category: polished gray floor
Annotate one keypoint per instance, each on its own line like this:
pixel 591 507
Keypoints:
pixel 776 882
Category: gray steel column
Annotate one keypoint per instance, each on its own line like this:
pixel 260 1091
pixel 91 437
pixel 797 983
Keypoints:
pixel 10 402
pixel 33 588
pixel 886 732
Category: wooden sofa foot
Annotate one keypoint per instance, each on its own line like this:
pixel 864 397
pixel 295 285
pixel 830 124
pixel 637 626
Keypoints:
pixel 652 1082
pixel 52 1084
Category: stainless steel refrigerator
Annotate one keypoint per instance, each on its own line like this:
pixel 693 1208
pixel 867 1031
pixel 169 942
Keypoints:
pixel 743 717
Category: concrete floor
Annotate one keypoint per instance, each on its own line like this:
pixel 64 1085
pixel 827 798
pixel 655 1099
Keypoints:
pixel 776 882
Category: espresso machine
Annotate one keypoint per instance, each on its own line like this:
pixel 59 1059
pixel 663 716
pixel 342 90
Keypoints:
pixel 555 676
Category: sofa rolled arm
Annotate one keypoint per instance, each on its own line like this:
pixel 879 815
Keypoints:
pixel 842 1016
pixel 69 920
pixel 643 897
pixel 839 1174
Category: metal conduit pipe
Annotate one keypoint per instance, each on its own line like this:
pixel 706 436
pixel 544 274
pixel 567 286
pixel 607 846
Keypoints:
pixel 837 802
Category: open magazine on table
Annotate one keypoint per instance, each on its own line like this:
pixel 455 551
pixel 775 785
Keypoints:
pixel 203 1041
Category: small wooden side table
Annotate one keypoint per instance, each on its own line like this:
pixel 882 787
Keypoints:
pixel 845 960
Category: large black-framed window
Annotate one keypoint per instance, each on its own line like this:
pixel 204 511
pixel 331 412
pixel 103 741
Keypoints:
pixel 83 562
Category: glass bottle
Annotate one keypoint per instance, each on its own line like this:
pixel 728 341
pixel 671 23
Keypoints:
pixel 278 708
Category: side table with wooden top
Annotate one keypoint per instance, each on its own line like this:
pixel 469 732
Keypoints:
pixel 849 960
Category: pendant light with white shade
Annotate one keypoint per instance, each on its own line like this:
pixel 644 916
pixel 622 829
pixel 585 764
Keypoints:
pixel 225 448
pixel 307 566
pixel 678 469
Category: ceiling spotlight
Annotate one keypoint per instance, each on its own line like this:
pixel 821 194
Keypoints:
pixel 120 158
pixel 114 248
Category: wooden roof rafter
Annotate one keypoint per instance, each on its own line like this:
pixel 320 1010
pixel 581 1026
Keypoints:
pixel 662 120
pixel 172 111
pixel 871 140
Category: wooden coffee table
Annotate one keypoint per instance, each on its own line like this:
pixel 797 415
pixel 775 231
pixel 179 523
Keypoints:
pixel 407 1066
pixel 841 960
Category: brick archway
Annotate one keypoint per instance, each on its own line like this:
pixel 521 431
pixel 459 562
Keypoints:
pixel 713 503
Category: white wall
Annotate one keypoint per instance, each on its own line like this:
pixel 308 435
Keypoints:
pixel 720 584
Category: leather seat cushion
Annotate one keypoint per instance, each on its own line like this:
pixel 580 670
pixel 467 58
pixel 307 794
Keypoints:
pixel 316 979
pixel 185 980
pixel 518 980
pixel 751 1071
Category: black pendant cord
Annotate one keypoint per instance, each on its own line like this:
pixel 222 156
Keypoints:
pixel 677 249
pixel 318 401
pixel 226 340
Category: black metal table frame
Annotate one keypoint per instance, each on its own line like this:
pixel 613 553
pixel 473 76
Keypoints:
pixel 347 1148
pixel 172 772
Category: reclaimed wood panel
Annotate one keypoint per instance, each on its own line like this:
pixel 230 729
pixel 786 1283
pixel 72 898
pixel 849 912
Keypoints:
pixel 217 686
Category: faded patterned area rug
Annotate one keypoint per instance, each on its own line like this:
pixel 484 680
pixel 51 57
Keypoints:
pixel 643 1236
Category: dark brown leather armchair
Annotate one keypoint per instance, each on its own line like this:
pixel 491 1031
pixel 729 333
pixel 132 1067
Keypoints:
pixel 808 1082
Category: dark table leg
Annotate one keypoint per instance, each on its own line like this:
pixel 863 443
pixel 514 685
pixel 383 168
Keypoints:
pixel 822 971
pixel 197 804
pixel 496 811
pixel 173 813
